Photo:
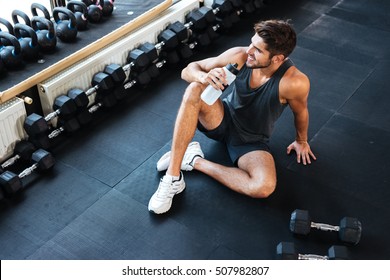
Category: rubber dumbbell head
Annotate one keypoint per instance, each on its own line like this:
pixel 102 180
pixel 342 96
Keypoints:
pixel 116 72
pixel 42 161
pixel 35 124
pixel 300 222
pixel 208 14
pixel 79 97
pixel 288 251
pixel 138 59
pixel 221 7
pixel 66 106
pixel 197 20
pixel 168 40
pixel 103 81
pixel 10 182
pixel 106 99
pixel 150 51
pixel 350 230
pixel 84 117
pixel 180 30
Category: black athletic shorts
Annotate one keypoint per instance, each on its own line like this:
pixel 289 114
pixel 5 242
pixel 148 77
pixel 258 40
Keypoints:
pixel 227 133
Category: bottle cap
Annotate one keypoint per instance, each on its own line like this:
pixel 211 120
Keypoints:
pixel 232 68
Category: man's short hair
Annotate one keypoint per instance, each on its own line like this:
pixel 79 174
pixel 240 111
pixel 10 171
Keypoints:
pixel 278 35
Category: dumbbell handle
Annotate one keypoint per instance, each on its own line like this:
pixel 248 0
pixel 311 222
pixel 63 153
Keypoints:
pixel 159 46
pixel 95 107
pixel 133 82
pixel 324 227
pixel 56 132
pixel 311 257
pixel 10 161
pixel 52 115
pixel 130 84
pixel 28 171
pixel 92 90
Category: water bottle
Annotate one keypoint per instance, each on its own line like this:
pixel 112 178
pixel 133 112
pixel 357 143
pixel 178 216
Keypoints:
pixel 210 94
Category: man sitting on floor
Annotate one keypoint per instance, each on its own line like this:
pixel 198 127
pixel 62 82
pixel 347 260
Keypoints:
pixel 267 82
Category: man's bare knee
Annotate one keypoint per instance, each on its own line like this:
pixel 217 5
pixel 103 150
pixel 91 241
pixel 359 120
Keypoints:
pixel 192 93
pixel 262 189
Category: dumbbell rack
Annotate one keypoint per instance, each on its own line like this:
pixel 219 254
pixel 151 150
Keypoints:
pixel 96 39
pixel 11 117
pixel 81 73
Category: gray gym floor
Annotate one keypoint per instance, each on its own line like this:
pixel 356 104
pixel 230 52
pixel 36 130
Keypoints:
pixel 93 205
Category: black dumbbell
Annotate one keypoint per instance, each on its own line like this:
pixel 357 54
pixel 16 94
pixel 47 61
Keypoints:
pixel 22 151
pixel 136 59
pixel 142 78
pixel 244 6
pixel 102 100
pixel 287 251
pixel 196 20
pixel 227 12
pixel 43 140
pixel 167 42
pixel 349 230
pixel 11 183
pixel 101 82
pixel 145 77
pixel 221 8
pixel 63 105
pixel 189 38
pixel 220 23
pixel 170 55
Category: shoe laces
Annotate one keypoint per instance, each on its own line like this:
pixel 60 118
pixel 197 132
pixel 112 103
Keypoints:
pixel 165 187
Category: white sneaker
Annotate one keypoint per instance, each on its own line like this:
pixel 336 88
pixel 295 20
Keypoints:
pixel 161 200
pixel 193 151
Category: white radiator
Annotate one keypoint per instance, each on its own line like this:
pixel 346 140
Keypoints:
pixel 12 115
pixel 80 74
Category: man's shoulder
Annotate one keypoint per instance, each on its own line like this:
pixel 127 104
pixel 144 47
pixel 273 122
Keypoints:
pixel 294 82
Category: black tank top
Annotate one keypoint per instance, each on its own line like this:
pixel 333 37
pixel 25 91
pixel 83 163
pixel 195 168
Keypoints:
pixel 254 111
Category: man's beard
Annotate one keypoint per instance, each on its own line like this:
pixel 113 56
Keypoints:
pixel 256 66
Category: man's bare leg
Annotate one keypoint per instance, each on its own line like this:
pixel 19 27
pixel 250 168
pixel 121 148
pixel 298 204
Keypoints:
pixel 191 109
pixel 255 175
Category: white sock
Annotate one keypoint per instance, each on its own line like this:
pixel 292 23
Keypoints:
pixel 173 178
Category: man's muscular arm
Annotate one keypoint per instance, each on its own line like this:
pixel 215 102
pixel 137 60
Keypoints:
pixel 295 90
pixel 209 70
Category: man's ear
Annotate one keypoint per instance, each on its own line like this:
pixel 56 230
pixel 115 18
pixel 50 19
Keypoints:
pixel 278 58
